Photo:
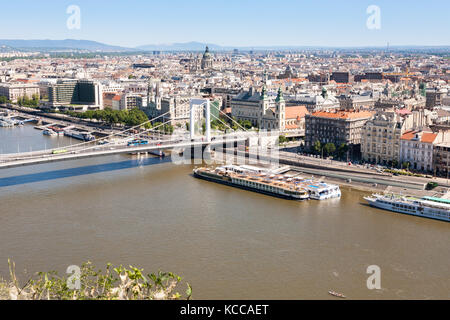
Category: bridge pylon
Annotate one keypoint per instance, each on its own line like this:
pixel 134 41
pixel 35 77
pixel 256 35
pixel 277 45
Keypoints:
pixel 194 104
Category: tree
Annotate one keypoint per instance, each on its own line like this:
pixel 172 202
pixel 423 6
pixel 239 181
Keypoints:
pixel 405 165
pixel 133 117
pixel 283 139
pixel 3 100
pixel 329 148
pixel 35 100
pixel 203 126
pixel 317 147
pixel 342 150
pixel 395 163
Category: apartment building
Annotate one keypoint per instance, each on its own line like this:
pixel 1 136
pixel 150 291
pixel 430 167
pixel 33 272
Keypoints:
pixel 441 159
pixel 131 100
pixel 356 102
pixel 381 136
pixel 416 147
pixel 12 91
pixel 336 127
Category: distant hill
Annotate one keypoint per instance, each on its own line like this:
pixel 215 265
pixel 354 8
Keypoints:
pixel 185 46
pixel 67 44
pixel 5 48
pixel 199 46
pixel 94 46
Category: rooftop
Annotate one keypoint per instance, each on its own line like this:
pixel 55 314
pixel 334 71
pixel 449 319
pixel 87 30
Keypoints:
pixel 426 137
pixel 350 115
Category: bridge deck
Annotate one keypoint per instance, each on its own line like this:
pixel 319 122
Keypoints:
pixel 98 151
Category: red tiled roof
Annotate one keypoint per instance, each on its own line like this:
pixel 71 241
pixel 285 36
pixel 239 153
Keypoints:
pixel 294 80
pixel 427 137
pixel 408 135
pixel 403 111
pixel 343 114
pixel 291 126
pixel 296 112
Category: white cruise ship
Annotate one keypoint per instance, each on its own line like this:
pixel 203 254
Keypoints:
pixel 433 208
pixel 85 136
pixel 322 191
pixel 49 132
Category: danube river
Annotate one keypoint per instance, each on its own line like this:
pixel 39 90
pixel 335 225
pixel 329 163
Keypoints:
pixel 227 243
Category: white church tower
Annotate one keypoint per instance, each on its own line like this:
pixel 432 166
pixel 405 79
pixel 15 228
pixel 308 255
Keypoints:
pixel 281 110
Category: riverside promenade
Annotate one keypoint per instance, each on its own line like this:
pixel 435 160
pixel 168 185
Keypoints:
pixel 354 176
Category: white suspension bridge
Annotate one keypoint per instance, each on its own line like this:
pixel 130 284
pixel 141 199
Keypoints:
pixel 122 146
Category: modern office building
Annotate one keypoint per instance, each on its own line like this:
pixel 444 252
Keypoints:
pixel 341 77
pixel 369 76
pixel 76 92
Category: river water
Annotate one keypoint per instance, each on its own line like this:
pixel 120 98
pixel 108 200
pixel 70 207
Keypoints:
pixel 226 242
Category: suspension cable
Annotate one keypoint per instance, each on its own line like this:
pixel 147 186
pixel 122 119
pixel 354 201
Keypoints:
pixel 111 135
pixel 229 117
pixel 133 136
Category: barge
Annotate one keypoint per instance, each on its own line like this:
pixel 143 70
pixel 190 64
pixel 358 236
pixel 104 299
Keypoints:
pixel 257 182
pixel 268 182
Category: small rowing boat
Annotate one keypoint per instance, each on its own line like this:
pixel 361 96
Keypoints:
pixel 336 294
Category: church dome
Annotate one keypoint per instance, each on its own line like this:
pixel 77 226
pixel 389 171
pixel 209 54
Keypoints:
pixel 207 60
pixel 207 54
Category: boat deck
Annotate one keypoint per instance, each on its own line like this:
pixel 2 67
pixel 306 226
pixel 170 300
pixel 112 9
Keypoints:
pixel 278 181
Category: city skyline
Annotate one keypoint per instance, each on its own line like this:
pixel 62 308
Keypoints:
pixel 225 151
pixel 286 24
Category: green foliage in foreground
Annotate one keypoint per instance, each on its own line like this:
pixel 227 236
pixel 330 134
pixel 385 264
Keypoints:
pixel 118 283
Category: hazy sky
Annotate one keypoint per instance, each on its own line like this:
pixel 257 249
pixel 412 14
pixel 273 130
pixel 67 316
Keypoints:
pixel 231 22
